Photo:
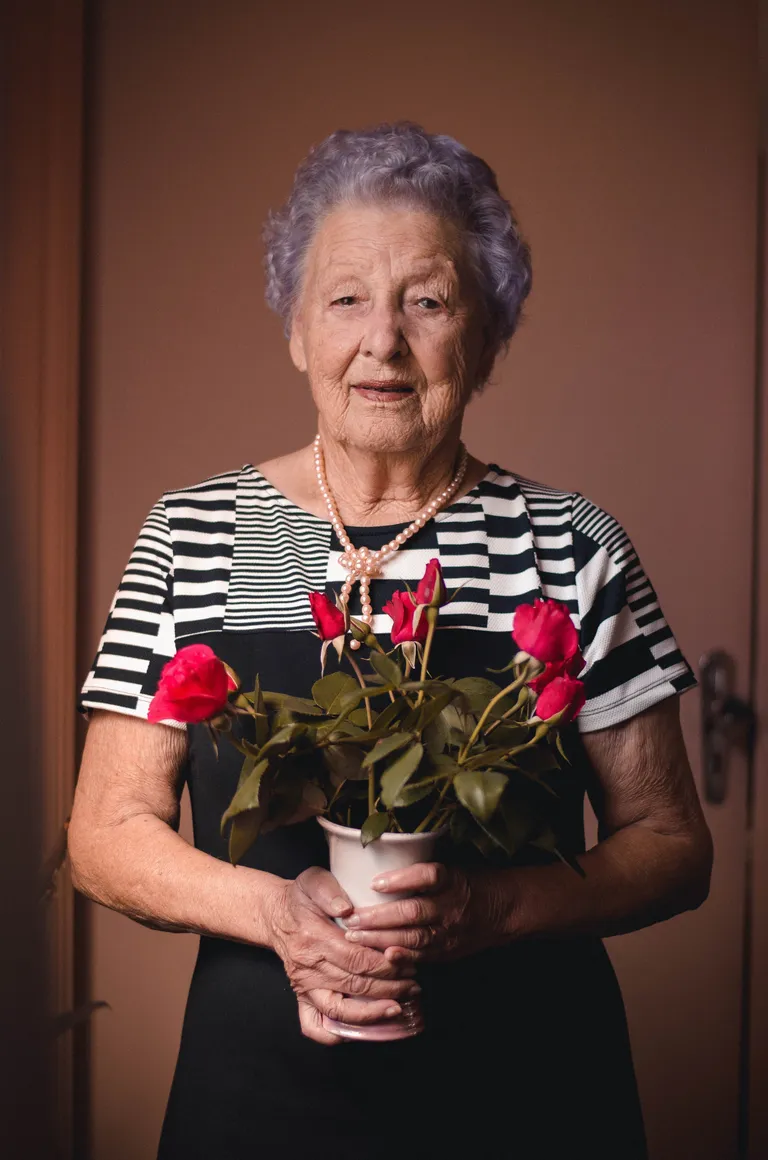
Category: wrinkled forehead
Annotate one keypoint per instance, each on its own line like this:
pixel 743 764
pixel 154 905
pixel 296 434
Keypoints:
pixel 368 240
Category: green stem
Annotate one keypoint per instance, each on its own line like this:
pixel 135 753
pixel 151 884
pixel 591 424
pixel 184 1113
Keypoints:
pixel 486 711
pixel 431 615
pixel 372 772
pixel 435 808
pixel 504 716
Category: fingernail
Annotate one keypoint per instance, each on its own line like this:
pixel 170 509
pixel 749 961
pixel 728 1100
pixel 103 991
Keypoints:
pixel 354 935
pixel 339 905
pixel 415 989
pixel 353 920
pixel 390 1011
pixel 380 883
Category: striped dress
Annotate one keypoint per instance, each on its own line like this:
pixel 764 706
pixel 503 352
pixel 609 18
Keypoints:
pixel 535 1030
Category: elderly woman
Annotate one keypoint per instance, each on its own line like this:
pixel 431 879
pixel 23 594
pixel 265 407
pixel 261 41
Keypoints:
pixel 399 271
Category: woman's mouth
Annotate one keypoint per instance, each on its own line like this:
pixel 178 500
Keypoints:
pixel 382 392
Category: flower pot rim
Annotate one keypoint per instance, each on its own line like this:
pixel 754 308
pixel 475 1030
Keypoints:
pixel 351 831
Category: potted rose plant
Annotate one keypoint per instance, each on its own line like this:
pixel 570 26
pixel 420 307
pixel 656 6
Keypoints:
pixel 392 758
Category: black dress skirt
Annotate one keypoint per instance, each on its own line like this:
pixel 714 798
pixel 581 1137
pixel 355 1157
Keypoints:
pixel 525 1050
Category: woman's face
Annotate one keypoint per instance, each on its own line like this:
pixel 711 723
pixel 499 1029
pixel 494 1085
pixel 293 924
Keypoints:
pixel 389 328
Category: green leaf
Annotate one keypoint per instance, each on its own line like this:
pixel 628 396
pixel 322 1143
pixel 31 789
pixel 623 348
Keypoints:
pixel 414 791
pixel 487 757
pixel 386 668
pixel 261 722
pixel 511 733
pixel 358 717
pixel 389 744
pixel 313 797
pixel 328 690
pixel 480 791
pixel 457 723
pixel 390 713
pixel 374 826
pixel 283 739
pixel 293 704
pixel 344 762
pixel 478 691
pixel 247 768
pixel 353 697
pixel 433 707
pixel 435 736
pixel 561 751
pixel 247 796
pixel 446 764
pixel 243 833
pixel 394 778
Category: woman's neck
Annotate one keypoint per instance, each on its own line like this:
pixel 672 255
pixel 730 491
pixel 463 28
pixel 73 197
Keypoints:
pixel 371 489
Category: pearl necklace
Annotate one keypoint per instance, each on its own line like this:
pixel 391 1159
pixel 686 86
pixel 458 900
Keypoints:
pixel 361 564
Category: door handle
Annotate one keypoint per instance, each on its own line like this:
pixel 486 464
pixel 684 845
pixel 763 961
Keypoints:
pixel 727 721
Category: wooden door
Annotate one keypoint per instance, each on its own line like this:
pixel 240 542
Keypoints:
pixel 625 135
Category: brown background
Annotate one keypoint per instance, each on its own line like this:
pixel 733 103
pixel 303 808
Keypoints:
pixel 624 134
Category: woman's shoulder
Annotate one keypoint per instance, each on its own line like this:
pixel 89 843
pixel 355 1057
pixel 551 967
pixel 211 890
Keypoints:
pixel 221 487
pixel 556 508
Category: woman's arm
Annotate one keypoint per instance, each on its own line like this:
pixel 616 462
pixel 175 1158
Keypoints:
pixel 126 854
pixel 655 861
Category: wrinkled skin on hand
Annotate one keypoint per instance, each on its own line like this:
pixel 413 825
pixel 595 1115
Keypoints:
pixel 452 914
pixel 329 974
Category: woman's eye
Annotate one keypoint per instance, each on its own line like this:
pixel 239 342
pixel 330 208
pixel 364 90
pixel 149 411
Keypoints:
pixel 345 300
pixel 428 303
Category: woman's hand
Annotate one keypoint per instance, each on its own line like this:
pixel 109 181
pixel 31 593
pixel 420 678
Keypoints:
pixel 452 914
pixel 330 975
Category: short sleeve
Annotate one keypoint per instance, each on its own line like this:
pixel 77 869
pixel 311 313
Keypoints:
pixel 139 636
pixel 632 658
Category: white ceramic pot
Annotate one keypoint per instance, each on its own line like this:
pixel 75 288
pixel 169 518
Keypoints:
pixel 354 867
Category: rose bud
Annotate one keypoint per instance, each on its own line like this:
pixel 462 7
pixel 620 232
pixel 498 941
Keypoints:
pixel 401 608
pixel 569 668
pixel 328 618
pixel 545 631
pixel 431 588
pixel 331 625
pixel 563 695
pixel 194 686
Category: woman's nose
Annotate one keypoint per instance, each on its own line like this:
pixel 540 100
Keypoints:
pixel 384 338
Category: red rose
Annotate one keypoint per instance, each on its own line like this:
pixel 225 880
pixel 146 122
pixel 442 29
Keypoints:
pixel 545 631
pixel 401 608
pixel 569 668
pixel 431 589
pixel 328 618
pixel 193 687
pixel 562 695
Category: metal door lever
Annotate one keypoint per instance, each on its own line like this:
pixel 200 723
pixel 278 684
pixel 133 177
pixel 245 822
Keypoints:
pixel 727 721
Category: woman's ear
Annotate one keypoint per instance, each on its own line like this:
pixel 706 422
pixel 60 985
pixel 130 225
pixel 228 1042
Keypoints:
pixel 296 345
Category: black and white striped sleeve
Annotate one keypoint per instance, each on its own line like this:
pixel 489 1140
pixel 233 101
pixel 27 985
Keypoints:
pixel 139 636
pixel 632 658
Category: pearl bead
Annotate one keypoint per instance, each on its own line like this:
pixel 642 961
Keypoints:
pixel 361 563
pixel 355 644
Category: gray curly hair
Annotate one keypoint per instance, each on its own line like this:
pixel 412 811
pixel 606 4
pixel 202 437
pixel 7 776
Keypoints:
pixel 402 163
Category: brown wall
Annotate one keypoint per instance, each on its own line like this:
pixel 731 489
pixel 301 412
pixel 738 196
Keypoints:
pixel 623 134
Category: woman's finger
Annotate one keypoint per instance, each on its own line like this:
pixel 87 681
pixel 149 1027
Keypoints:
pixel 411 937
pixel 364 961
pixel 421 878
pixel 349 1010
pixel 418 911
pixel 312 1025
pixel 321 887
